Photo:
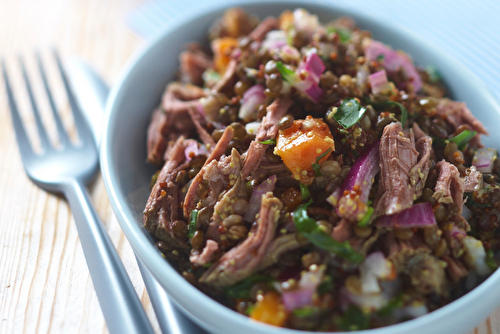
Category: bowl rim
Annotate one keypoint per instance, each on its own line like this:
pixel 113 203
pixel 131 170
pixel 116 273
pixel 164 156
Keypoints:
pixel 140 243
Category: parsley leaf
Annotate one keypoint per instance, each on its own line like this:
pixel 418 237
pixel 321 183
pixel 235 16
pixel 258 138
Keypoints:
pixel 349 113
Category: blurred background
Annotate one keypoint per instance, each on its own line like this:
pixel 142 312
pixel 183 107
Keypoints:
pixel 44 281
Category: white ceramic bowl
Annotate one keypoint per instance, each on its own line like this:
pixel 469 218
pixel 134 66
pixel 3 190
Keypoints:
pixel 127 175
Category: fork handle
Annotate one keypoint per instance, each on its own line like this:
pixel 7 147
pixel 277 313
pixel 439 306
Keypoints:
pixel 119 303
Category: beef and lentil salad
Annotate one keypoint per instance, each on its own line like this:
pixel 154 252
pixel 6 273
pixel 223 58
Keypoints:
pixel 314 178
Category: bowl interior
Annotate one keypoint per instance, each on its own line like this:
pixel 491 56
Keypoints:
pixel 127 175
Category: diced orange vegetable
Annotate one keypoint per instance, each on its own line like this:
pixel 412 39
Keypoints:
pixel 286 20
pixel 222 48
pixel 270 310
pixel 302 144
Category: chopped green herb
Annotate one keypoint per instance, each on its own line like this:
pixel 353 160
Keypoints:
pixel 471 202
pixel 307 227
pixel 304 191
pixel 380 57
pixel 207 265
pixel 490 260
pixel 393 304
pixel 242 288
pixel 250 309
pixel 268 142
pixel 349 113
pixel 433 74
pixel 315 166
pixel 323 155
pixel 193 219
pixel 344 34
pixel 210 76
pixel 366 219
pixel 353 319
pixel 463 138
pixel 287 74
pixel 305 311
pixel 402 108
pixel 317 171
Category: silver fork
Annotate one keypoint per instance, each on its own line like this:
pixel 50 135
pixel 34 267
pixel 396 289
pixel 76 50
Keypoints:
pixel 67 170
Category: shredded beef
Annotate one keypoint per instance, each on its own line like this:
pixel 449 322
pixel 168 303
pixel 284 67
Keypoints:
pixel 455 270
pixel 426 274
pixel 172 119
pixel 280 246
pixel 193 63
pixel 450 187
pixel 162 205
pixel 457 114
pixel 244 259
pixel 226 83
pixel 267 131
pixel 419 172
pixel 342 231
pixel 200 122
pixel 397 157
pixel 224 208
pixel 268 24
pixel 206 255
pixel 220 148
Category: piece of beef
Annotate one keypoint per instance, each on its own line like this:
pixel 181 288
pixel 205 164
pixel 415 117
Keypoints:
pixel 172 119
pixel 457 114
pixel 473 179
pixel 455 270
pixel 157 137
pixel 193 63
pixel 419 172
pixel 220 148
pixel 417 131
pixel 265 26
pixel 413 258
pixel 243 260
pixel 179 97
pixel 450 187
pixel 206 255
pixel 224 208
pixel 267 131
pixel 200 122
pixel 162 206
pixel 279 246
pixel 397 157
pixel 226 83
pixel 401 251
pixel 426 274
pixel 221 175
pixel 342 231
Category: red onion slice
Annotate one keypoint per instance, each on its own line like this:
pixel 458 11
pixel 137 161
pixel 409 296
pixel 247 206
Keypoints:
pixel 394 60
pixel 352 197
pixel 252 98
pixel 379 82
pixel 419 215
pixel 483 159
pixel 256 198
pixel 297 299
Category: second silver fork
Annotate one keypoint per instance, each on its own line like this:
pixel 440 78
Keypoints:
pixel 67 170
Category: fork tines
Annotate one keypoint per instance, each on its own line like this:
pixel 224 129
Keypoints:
pixel 21 133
